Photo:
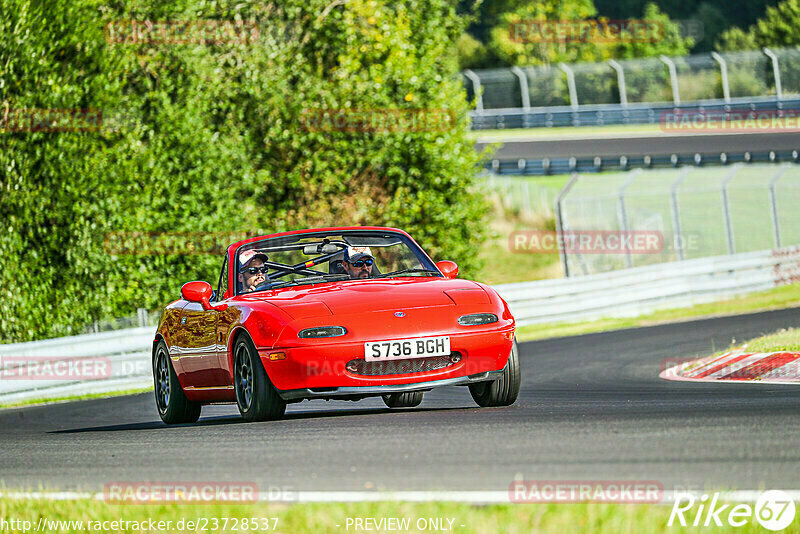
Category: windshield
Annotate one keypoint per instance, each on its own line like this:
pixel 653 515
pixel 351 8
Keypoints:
pixel 327 257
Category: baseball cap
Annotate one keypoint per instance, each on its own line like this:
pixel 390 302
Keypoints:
pixel 356 253
pixel 249 255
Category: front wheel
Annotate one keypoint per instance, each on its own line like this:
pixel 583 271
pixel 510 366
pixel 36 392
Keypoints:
pixel 256 397
pixel 501 392
pixel 171 401
pixel 408 399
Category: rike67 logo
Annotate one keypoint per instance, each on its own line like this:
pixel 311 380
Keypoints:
pixel 774 510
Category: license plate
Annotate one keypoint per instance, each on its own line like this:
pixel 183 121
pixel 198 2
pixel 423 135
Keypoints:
pixel 401 349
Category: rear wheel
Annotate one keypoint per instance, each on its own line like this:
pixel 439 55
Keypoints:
pixel 171 401
pixel 408 399
pixel 256 397
pixel 502 392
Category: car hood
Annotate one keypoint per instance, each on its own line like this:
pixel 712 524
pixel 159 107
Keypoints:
pixel 353 296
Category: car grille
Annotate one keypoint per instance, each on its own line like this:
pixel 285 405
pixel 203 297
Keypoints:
pixel 400 367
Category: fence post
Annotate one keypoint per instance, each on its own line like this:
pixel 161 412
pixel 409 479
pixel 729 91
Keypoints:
pixel 560 223
pixel 673 76
pixel 523 87
pixel 526 193
pixel 623 91
pixel 676 215
pixel 476 88
pixel 622 213
pixel 726 209
pixel 573 92
pixel 776 71
pixel 723 70
pixel 773 200
pixel 142 314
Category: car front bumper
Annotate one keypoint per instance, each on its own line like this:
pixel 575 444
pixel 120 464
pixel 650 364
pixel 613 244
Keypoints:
pixel 323 366
pixel 359 392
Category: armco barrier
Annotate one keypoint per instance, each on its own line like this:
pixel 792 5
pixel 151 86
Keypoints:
pixel 628 292
pixel 632 292
pixel 42 369
pixel 598 115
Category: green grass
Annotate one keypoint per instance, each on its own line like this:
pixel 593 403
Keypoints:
pixel 501 265
pixel 66 398
pixel 778 298
pixel 565 131
pixel 512 134
pixel 324 518
pixel 783 340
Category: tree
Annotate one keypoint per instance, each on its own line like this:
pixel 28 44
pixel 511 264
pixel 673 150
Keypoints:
pixel 524 36
pixel 220 137
pixel 778 28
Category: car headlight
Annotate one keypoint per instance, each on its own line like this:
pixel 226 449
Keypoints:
pixel 324 331
pixel 477 318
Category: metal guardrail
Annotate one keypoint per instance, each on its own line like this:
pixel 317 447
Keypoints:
pixel 548 166
pixel 626 292
pixel 641 290
pixel 141 318
pixel 76 365
pixel 614 114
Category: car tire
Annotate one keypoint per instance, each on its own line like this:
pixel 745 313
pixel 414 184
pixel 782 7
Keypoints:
pixel 256 397
pixel 171 402
pixel 408 399
pixel 501 392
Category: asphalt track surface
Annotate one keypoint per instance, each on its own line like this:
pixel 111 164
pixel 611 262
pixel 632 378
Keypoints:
pixel 644 144
pixel 591 408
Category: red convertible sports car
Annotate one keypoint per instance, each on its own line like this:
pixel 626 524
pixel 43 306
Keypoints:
pixel 331 313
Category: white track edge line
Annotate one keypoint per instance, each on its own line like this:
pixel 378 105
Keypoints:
pixel 467 497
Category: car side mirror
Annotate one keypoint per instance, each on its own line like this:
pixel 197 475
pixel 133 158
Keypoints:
pixel 449 268
pixel 197 292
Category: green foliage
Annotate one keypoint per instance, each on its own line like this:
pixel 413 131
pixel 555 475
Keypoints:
pixel 736 39
pixel 715 15
pixel 779 25
pixel 215 137
pixel 471 52
pixel 509 42
pixel 670 42
pixel 777 28
pixel 513 49
pixel 711 20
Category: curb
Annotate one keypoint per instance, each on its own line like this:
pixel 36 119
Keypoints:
pixel 739 366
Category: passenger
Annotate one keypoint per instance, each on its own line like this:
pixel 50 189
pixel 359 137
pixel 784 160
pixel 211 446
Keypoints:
pixel 252 270
pixel 358 262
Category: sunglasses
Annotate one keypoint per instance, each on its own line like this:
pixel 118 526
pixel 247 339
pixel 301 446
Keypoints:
pixel 361 263
pixel 255 270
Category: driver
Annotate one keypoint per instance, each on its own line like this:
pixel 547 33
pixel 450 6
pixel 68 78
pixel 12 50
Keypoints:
pixel 358 262
pixel 252 269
